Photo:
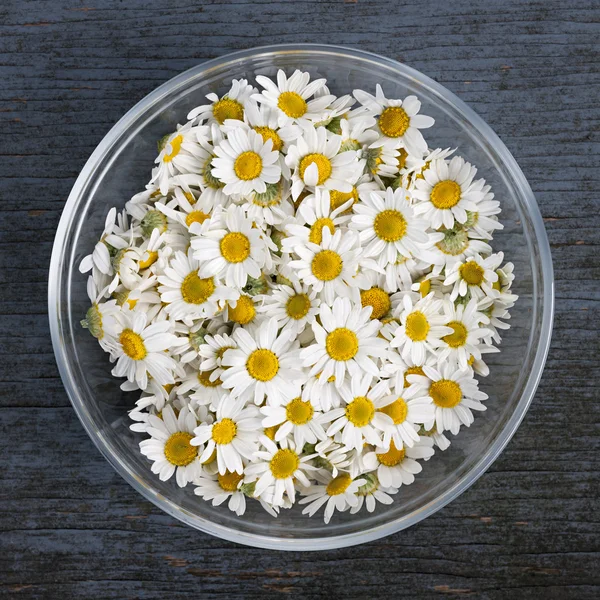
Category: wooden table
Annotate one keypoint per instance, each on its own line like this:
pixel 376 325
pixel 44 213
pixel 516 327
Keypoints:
pixel 71 527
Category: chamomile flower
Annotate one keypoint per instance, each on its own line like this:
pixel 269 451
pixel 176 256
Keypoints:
pixel 454 245
pixel 475 276
pixel 396 467
pixel 291 98
pixel 398 121
pixel 455 395
pixel 212 351
pixel 182 153
pixel 421 328
pixel 293 307
pixel 297 419
pixel 329 267
pixel 272 207
pixel 372 492
pixel 229 248
pixel 182 210
pixel 101 318
pixel 233 435
pixel 230 106
pixel 336 493
pixel 245 163
pixel 447 191
pixel 316 161
pixel 276 471
pixel 465 340
pixel 140 350
pixel 264 364
pixel 345 341
pixel 322 393
pixel 388 227
pixel 313 215
pixel 219 488
pixel 361 420
pixel 380 161
pixel 169 446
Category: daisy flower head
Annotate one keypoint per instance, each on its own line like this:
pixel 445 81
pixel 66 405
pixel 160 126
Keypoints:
pixel 372 492
pixel 475 277
pixel 229 248
pixel 329 267
pixel 453 245
pixel 101 318
pixel 291 98
pixel 245 163
pixel 483 222
pixel 272 207
pixel 230 106
pixel 316 161
pixel 380 161
pixel 205 389
pixel 296 419
pixel 398 121
pixel 181 153
pixel 371 292
pixel 276 471
pixel 396 467
pixel 313 215
pixel 455 395
pixel 447 191
pixel 186 209
pixel 219 488
pixel 388 227
pixel 140 350
pixel 323 394
pixel 335 493
pixel 264 364
pixel 293 307
pixel 345 341
pixel 169 446
pixel 464 343
pixel 212 350
pixel 233 435
pixel 187 295
pixel 421 328
pixel 361 420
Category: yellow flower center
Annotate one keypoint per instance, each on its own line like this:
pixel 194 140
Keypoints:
pixel 230 481
pixel 392 457
pixel 471 360
pixel 196 216
pixel 393 121
pixel 235 247
pixel 338 485
pixel 297 306
pixel 133 344
pixel 292 104
pixel 299 412
pixel 227 109
pixel 341 344
pixel 224 431
pixel 445 393
pixel 262 365
pixel 270 134
pixel 149 261
pixel 360 411
pixel 195 290
pixel 175 144
pixel 190 197
pixel 496 285
pixel 204 379
pixel 248 165
pixel 472 273
pixel 179 451
pixel 417 326
pixel 445 194
pixel 458 337
pixel 316 231
pixel 221 351
pixel 323 165
pixel 336 198
pixel 211 458
pixel 401 158
pixel 424 287
pixel 244 311
pixel 397 410
pixel 390 225
pixel 271 431
pixel 412 371
pixel 378 300
pixel 131 303
pixel 326 265
pixel 284 463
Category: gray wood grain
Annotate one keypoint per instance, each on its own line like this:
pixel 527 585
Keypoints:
pixel 71 528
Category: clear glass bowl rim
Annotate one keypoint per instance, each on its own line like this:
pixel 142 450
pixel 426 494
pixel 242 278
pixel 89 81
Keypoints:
pixel 315 543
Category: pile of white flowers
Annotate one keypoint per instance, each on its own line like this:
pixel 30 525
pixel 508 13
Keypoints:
pixel 303 293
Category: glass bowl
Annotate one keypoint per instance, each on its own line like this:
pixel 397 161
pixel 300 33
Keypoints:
pixel 120 166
